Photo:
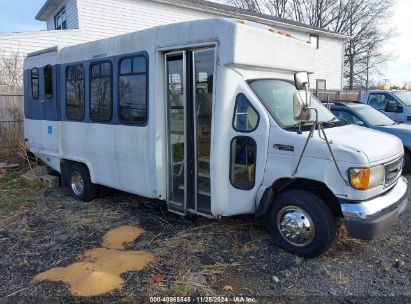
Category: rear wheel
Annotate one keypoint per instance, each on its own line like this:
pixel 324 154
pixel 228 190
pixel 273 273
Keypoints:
pixel 407 162
pixel 79 182
pixel 302 223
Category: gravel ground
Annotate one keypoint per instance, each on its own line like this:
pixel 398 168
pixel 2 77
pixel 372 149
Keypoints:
pixel 194 256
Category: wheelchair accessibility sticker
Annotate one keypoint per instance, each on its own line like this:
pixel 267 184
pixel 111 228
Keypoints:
pixel 50 129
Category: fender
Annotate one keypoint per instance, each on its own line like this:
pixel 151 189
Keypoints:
pixel 269 194
pixel 312 186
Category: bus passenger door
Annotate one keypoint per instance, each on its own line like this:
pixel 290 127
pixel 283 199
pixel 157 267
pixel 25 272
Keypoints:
pixel 190 84
pixel 40 103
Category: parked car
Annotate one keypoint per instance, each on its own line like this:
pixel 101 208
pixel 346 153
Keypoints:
pixel 395 104
pixel 364 115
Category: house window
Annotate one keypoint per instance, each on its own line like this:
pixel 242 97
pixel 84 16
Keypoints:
pixel 48 81
pixel 35 83
pixel 321 84
pixel 133 90
pixel 101 100
pixel 75 92
pixel 315 41
pixel 60 20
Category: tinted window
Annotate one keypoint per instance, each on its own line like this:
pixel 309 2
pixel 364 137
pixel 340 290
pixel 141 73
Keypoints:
pixel 35 83
pixel 243 160
pixel 125 66
pixel 101 101
pixel 133 90
pixel 75 92
pixel 245 116
pixel 379 100
pixel 48 81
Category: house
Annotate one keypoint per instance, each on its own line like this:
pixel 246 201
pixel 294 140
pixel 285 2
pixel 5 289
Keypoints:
pixel 75 21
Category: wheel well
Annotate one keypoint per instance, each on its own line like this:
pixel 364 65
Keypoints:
pixel 64 167
pixel 287 184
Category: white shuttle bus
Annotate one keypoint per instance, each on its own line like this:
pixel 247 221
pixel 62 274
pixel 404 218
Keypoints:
pixel 214 117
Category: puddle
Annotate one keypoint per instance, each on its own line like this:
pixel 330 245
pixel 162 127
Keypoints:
pixel 98 270
pixel 121 236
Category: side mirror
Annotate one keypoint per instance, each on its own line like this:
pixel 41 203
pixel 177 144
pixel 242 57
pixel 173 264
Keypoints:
pixel 391 106
pixel 300 105
pixel 359 123
pixel 301 80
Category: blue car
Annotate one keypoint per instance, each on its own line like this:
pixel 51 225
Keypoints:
pixel 366 116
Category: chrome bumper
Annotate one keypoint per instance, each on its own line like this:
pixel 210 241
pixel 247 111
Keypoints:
pixel 368 219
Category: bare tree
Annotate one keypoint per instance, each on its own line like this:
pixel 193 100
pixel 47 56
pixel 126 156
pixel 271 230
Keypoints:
pixel 250 5
pixel 11 70
pixel 365 21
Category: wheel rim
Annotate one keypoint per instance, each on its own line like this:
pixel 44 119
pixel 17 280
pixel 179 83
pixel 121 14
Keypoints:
pixel 295 226
pixel 77 183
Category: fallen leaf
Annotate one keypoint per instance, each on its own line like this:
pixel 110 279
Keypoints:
pixel 228 287
pixel 156 279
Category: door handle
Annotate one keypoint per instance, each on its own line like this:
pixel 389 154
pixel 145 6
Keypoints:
pixel 42 101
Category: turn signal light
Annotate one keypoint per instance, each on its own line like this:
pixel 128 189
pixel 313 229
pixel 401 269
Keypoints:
pixel 360 178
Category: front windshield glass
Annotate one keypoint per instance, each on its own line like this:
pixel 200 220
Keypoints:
pixel 374 117
pixel 404 96
pixel 277 97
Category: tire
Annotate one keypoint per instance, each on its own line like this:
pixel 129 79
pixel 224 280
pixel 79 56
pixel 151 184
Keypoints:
pixel 407 161
pixel 317 224
pixel 79 183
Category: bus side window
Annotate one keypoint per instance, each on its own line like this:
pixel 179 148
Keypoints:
pixel 35 83
pixel 48 81
pixel 242 163
pixel 133 90
pixel 75 92
pixel 101 98
pixel 245 118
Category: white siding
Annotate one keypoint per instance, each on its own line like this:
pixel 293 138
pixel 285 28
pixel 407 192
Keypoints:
pixel 107 18
pixel 72 15
pixel 27 42
pixel 328 63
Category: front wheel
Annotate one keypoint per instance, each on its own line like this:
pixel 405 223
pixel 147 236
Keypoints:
pixel 302 223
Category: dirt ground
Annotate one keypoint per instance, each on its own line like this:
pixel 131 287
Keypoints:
pixel 42 229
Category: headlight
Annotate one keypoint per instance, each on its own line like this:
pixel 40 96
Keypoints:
pixel 366 178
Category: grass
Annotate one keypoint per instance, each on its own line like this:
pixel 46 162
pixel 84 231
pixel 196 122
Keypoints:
pixel 12 195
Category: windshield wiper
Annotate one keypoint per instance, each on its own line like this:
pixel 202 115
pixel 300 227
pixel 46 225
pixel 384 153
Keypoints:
pixel 304 126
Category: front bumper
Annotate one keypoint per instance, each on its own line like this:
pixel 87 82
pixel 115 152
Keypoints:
pixel 368 219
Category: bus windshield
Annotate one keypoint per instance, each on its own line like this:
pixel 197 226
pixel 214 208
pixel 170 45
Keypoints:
pixel 277 97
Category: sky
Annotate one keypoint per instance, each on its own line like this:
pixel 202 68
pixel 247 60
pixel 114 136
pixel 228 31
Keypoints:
pixel 18 15
pixel 399 70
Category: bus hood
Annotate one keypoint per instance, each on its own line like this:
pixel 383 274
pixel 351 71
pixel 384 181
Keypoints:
pixel 377 146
